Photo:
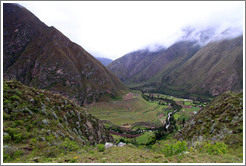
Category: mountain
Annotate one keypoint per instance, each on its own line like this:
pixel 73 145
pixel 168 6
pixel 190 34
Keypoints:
pixel 41 123
pixel 104 61
pixel 214 69
pixel 42 57
pixel 128 67
pixel 221 120
pixel 185 69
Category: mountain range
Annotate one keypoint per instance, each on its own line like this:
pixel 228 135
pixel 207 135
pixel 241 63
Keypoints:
pixel 185 69
pixel 104 61
pixel 42 57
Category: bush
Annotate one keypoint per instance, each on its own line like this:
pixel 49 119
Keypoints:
pixel 69 145
pixel 100 147
pixel 217 148
pixel 51 152
pixel 11 153
pixel 15 98
pixel 171 148
pixel 146 139
pixel 6 138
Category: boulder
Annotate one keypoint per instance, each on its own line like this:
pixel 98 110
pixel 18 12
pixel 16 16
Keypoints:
pixel 108 145
pixel 121 144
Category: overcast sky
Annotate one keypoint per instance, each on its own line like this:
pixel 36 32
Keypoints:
pixel 112 29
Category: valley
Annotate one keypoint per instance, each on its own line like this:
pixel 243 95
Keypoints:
pixel 177 104
pixel 143 111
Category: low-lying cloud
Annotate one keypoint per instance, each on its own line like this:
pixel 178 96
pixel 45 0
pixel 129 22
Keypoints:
pixel 114 29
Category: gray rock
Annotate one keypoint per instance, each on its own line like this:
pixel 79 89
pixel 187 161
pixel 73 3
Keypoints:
pixel 78 115
pixel 75 130
pixel 55 134
pixel 65 118
pixel 43 139
pixel 43 109
pixel 108 145
pixel 121 144
pixel 47 99
pixel 5 133
pixel 45 121
pixel 60 125
pixel 61 133
pixel 54 115
pixel 72 113
pixel 32 100
pixel 77 125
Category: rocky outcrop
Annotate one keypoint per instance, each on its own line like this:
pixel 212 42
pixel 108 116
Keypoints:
pixel 42 57
pixel 221 120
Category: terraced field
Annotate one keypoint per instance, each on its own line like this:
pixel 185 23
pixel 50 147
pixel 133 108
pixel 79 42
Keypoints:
pixel 124 112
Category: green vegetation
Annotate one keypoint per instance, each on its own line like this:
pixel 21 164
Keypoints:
pixel 146 139
pixel 37 138
pixel 40 123
pixel 121 111
pixel 170 147
pixel 100 147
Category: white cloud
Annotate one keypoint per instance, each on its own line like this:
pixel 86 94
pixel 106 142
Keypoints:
pixel 116 28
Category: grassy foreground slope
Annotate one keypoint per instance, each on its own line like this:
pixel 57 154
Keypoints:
pixel 38 123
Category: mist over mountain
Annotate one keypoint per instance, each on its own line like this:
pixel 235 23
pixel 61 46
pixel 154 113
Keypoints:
pixel 208 34
pixel 187 68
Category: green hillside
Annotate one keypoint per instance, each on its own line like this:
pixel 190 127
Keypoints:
pixel 38 123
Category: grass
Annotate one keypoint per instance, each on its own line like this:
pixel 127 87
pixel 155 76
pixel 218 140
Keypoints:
pixel 126 111
pixel 133 154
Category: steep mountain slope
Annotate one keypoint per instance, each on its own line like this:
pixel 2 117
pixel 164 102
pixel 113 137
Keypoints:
pixel 104 61
pixel 214 69
pixel 185 69
pixel 221 120
pixel 42 57
pixel 142 69
pixel 36 121
pixel 128 67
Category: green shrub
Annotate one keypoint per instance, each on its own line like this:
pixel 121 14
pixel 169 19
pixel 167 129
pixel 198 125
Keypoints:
pixel 6 116
pixel 69 145
pixel 15 98
pixel 217 148
pixel 146 139
pixel 18 137
pixel 100 147
pixel 170 148
pixel 11 153
pixel 6 138
pixel 17 134
pixel 51 152
pixel 5 102
pixel 68 106
pixel 33 141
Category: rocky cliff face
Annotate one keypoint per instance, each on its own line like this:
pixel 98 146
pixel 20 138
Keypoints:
pixel 37 114
pixel 42 57
pixel 221 120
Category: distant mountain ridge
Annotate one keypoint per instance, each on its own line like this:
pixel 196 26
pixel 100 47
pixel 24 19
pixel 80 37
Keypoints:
pixel 185 69
pixel 42 57
pixel 104 61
